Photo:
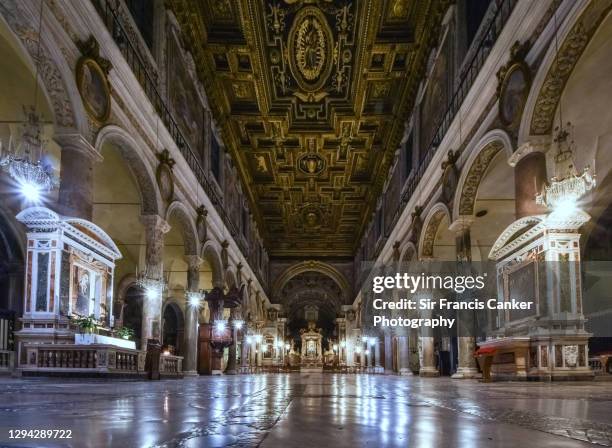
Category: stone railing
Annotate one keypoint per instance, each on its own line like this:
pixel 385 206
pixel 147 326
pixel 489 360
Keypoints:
pixel 170 365
pixel 93 358
pixel 6 360
pixel 601 365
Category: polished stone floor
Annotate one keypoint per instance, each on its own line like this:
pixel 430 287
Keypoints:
pixel 314 410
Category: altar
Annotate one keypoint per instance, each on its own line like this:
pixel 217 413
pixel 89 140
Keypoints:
pixel 312 350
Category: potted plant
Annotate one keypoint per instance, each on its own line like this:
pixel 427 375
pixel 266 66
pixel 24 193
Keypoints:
pixel 88 326
pixel 125 333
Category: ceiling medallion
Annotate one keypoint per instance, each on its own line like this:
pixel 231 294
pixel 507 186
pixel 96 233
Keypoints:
pixel 311 164
pixel 310 44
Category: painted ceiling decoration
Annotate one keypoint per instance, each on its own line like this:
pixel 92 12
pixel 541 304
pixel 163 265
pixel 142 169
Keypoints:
pixel 311 97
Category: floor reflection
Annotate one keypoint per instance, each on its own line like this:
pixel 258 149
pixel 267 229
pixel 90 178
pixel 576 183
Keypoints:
pixel 316 410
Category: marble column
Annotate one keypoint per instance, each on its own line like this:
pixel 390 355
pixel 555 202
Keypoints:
pixel 155 229
pixel 466 341
pixel 529 162
pixel 377 364
pixel 388 361
pixel 244 352
pixel 403 348
pixel 230 369
pixel 428 365
pixel 190 363
pixel 78 156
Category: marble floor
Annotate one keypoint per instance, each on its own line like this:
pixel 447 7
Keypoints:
pixel 308 410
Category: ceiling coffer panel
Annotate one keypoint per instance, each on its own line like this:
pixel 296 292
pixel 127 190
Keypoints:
pixel 311 96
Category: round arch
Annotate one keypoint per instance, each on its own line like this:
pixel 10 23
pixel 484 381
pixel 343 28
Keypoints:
pixel 180 213
pixel 230 278
pixel 309 266
pixel 475 169
pixel 136 160
pixel 211 253
pixel 574 34
pixel 21 20
pixel 430 228
pixel 407 253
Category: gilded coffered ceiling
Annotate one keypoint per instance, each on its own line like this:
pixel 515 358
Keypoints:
pixel 311 97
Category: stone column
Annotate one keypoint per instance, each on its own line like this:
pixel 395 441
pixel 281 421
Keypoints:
pixel 244 352
pixel 231 356
pixel 377 354
pixel 155 229
pixel 76 184
pixel 466 341
pixel 428 366
pixel 403 349
pixel 190 362
pixel 529 162
pixel 388 361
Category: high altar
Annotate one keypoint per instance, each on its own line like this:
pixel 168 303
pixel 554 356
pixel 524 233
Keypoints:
pixel 312 350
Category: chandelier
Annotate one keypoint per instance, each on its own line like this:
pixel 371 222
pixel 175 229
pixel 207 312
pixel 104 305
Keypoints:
pixel 23 162
pixel 568 185
pixel 152 285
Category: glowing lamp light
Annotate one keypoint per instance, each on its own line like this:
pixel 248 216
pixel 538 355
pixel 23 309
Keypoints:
pixel 357 349
pixel 367 352
pixel 279 344
pixel 335 347
pixel 258 338
pixel 287 346
pixel 166 353
pixel 238 324
pixel 342 344
pixel 220 326
pixel 194 299
pixel 372 341
pixel 152 293
pixel 249 340
pixel 30 191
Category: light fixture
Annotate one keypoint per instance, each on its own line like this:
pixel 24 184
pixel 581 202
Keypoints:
pixel 279 344
pixel 335 347
pixel 287 346
pixel 567 186
pixel 220 326
pixel 194 298
pixel 23 162
pixel 342 344
pixel 249 339
pixel 258 338
pixel 367 352
pixel 357 349
pixel 152 286
pixel 238 324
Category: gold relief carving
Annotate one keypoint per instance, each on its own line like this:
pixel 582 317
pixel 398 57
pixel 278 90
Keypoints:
pixel 475 175
pixel 398 9
pixel 311 164
pixel 430 234
pixel 310 44
pixel 310 69
pixel 563 65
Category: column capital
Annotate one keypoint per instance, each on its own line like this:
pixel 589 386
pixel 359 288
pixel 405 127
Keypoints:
pixel 529 147
pixel 155 223
pixel 462 223
pixel 77 142
pixel 193 261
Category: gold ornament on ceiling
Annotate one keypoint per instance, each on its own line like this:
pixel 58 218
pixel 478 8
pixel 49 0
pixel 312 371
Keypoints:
pixel 310 44
pixel 311 164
